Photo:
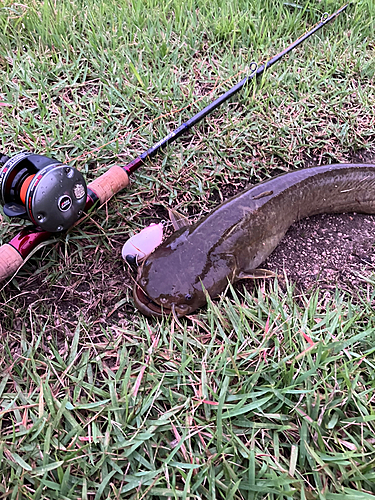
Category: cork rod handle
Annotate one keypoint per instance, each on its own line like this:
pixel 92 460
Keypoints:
pixel 110 183
pixel 10 261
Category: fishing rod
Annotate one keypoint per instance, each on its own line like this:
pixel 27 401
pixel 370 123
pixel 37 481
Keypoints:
pixel 53 196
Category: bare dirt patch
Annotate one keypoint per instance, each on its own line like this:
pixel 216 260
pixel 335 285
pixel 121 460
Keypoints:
pixel 329 251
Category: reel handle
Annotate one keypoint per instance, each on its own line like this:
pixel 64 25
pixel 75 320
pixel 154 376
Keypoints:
pixel 109 183
pixel 10 261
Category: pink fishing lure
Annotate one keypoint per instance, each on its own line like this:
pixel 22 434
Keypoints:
pixel 142 244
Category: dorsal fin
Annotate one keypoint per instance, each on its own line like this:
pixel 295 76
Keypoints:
pixel 178 220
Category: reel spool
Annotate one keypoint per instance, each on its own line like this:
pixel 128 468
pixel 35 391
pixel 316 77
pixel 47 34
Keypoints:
pixel 43 190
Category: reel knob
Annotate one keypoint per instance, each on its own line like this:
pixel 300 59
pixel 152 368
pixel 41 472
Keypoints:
pixel 42 190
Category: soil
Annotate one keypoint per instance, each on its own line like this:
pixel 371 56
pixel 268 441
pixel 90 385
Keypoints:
pixel 328 251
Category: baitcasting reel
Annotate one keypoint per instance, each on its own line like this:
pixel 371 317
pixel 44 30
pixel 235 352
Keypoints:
pixel 42 190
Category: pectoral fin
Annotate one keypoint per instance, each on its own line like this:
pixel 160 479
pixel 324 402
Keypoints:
pixel 178 220
pixel 256 274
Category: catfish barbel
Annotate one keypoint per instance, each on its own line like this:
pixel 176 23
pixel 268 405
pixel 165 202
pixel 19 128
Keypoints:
pixel 232 241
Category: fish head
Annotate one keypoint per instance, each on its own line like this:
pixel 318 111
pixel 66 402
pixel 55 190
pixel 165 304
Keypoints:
pixel 178 275
pixel 163 288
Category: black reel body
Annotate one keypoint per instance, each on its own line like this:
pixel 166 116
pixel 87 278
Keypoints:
pixel 42 190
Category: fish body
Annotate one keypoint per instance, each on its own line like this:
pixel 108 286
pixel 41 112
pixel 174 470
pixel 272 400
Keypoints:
pixel 234 239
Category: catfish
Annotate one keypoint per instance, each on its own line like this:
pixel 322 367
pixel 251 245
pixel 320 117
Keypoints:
pixel 231 242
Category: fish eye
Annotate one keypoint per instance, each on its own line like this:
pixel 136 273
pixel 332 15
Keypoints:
pixel 188 296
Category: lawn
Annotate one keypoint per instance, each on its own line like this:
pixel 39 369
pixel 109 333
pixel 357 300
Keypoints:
pixel 266 393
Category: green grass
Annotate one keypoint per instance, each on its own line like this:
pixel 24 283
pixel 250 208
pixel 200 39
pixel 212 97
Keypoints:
pixel 244 407
pixel 261 395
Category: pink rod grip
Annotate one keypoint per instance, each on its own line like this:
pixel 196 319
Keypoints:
pixel 10 261
pixel 110 183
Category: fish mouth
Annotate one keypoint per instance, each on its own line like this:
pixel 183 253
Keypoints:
pixel 147 306
pixel 150 308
